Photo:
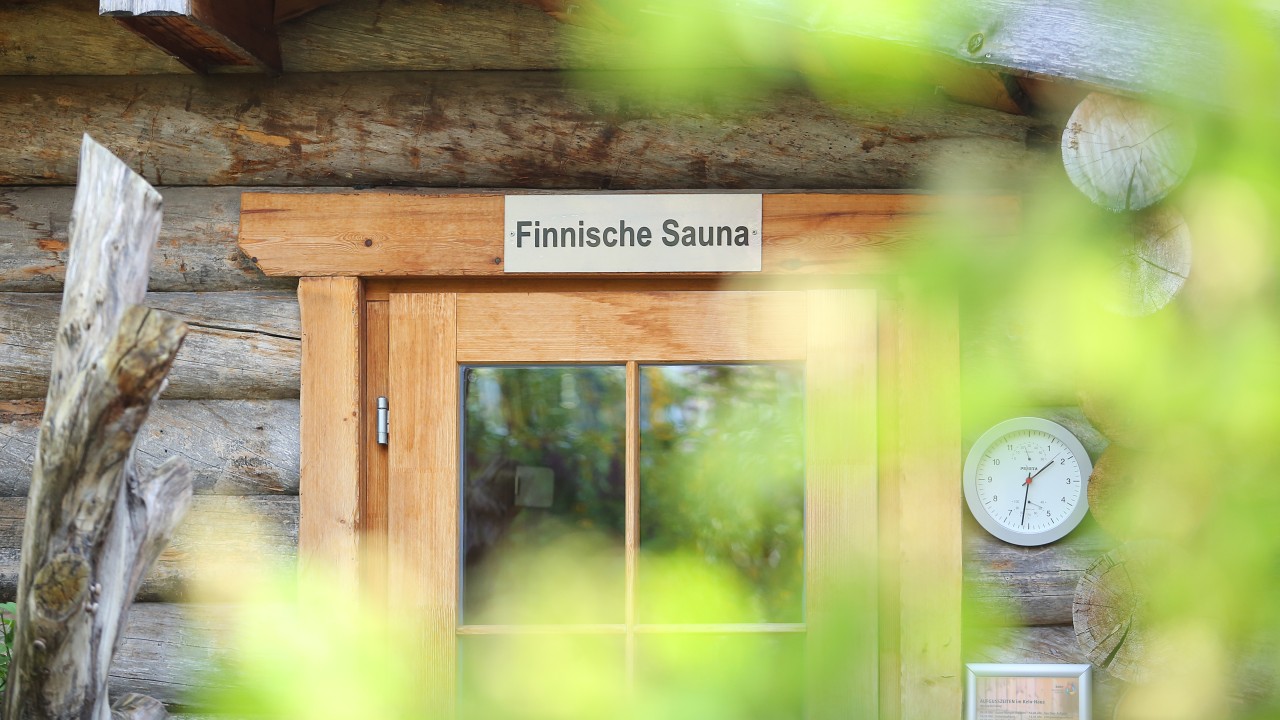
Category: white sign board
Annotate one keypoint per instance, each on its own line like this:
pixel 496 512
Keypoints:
pixel 632 233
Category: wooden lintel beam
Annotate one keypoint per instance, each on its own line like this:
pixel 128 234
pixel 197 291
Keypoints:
pixel 204 34
pixel 407 235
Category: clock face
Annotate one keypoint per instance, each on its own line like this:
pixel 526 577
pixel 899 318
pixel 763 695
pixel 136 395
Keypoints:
pixel 1025 481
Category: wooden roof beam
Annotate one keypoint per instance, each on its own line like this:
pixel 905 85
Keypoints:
pixel 205 34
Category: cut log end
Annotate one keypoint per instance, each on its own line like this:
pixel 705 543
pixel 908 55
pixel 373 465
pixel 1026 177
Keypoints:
pixel 1111 480
pixel 1125 154
pixel 1108 613
pixel 1154 262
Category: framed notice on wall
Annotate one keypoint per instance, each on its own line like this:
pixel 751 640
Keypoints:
pixel 1028 692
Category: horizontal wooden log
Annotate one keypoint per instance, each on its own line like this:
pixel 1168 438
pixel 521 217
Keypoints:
pixel 1013 585
pixel 196 250
pixel 171 652
pixel 217 529
pixel 1177 51
pixel 1107 44
pixel 66 37
pixel 534 130
pixel 234 447
pixel 241 344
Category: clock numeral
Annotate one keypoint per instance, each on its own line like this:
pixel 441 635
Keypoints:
pixel 994 498
pixel 1064 499
pixel 996 461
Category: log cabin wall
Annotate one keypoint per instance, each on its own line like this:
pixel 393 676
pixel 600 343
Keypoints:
pixel 417 93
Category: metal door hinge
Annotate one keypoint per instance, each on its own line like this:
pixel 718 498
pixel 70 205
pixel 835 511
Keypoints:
pixel 384 421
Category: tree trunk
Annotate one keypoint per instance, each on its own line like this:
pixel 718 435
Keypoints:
pixel 95 523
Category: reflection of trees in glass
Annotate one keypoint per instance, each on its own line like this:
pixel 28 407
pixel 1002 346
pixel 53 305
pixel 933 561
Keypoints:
pixel 569 419
pixel 722 478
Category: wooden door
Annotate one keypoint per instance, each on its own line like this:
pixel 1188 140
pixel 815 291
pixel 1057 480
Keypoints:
pixel 831 335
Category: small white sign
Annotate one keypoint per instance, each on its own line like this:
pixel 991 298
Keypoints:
pixel 632 233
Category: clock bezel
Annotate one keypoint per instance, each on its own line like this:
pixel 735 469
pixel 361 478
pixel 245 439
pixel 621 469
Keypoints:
pixel 985 519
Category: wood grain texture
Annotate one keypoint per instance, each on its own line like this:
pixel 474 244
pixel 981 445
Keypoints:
pixel 423 484
pixel 1125 46
pixel 66 37
pixel 631 515
pixel 382 234
pixel 96 523
pixel 234 447
pixel 1178 52
pixel 250 530
pixel 363 35
pixel 1125 154
pixel 1112 487
pixel 354 35
pixel 332 428
pixel 171 652
pixel 1013 585
pixel 1108 613
pixel 375 509
pixel 1154 264
pixel 196 250
pixel 286 10
pixel 615 327
pixel 890 516
pixel 204 34
pixel 842 548
pixel 930 559
pixel 500 129
pixel 241 344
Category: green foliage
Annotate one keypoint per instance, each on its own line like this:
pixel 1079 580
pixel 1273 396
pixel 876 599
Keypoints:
pixel 1197 384
pixel 8 618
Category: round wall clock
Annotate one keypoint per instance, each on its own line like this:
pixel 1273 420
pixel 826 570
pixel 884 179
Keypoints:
pixel 1025 481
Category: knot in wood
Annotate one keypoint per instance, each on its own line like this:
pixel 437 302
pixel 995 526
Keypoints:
pixel 976 41
pixel 60 586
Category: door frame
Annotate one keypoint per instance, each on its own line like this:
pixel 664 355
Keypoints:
pixel 353 250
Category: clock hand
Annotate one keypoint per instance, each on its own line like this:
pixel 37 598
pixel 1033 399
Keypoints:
pixel 1026 494
pixel 1046 466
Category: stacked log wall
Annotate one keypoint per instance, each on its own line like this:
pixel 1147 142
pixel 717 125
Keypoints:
pixel 232 407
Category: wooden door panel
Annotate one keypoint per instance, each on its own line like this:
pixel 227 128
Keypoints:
pixel 833 331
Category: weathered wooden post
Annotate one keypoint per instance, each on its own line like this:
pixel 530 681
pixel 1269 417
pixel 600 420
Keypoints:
pixel 95 523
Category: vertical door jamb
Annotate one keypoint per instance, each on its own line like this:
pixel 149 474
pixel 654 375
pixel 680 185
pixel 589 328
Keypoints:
pixel 841 508
pixel 930 559
pixel 330 427
pixel 422 487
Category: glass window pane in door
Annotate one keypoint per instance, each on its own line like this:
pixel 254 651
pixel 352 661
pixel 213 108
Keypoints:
pixel 721 494
pixel 543 494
